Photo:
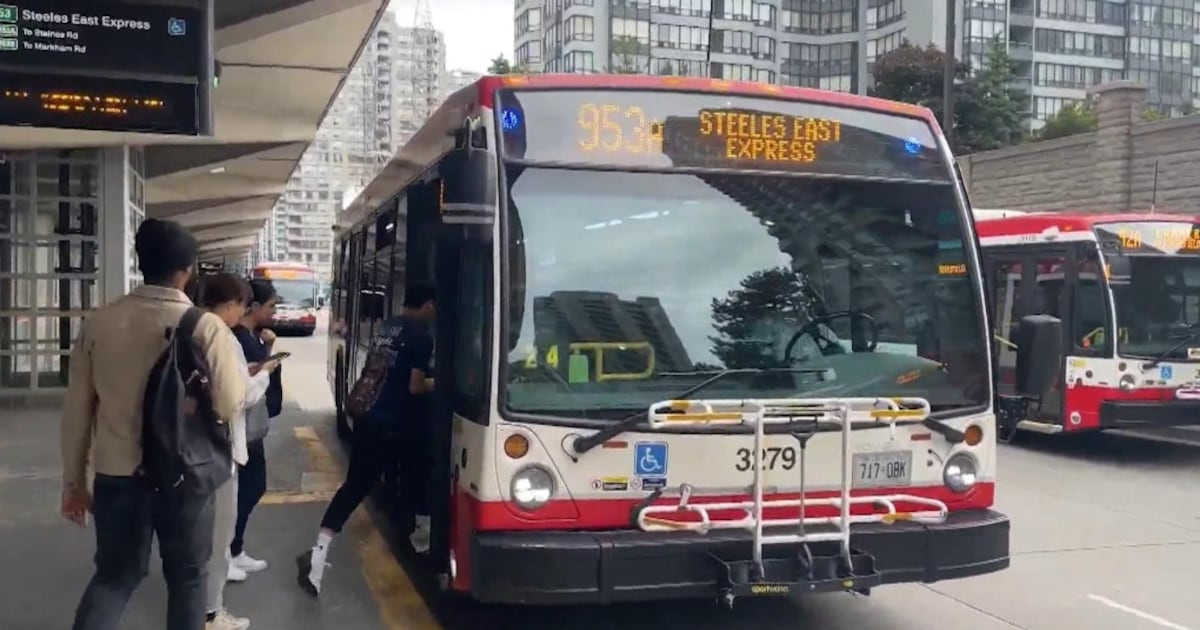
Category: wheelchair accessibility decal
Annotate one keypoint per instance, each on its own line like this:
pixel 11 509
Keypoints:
pixel 650 459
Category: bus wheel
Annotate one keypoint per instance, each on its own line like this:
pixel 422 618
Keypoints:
pixel 344 430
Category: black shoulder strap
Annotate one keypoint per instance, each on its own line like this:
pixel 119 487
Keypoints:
pixel 187 323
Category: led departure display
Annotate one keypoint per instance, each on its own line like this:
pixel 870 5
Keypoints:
pixel 643 129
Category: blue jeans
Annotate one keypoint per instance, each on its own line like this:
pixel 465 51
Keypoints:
pixel 128 515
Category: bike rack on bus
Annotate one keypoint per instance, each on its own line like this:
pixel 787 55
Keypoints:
pixel 844 570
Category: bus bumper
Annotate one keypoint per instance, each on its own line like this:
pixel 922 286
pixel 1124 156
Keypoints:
pixel 600 567
pixel 1132 414
pixel 295 327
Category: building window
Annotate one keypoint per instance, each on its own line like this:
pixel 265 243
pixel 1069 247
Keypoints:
pixel 831 16
pixel 1078 43
pixel 881 13
pixel 680 37
pixel 1045 107
pixel 579 27
pixel 579 61
pixel 883 45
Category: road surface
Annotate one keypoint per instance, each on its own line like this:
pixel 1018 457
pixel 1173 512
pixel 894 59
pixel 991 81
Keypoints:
pixel 1106 534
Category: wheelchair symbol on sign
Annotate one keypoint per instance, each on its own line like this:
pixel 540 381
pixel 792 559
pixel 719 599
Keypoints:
pixel 651 458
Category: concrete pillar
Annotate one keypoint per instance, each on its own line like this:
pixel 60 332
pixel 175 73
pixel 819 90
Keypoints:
pixel 123 208
pixel 1119 108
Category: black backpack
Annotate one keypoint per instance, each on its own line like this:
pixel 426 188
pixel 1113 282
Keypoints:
pixel 185 446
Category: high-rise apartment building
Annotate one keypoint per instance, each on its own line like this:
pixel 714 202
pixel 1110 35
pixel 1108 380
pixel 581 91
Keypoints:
pixel 1062 47
pixel 420 71
pixel 373 115
pixel 794 42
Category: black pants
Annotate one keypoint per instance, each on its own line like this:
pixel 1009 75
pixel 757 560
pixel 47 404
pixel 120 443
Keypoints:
pixel 252 485
pixel 372 454
pixel 376 454
pixel 128 515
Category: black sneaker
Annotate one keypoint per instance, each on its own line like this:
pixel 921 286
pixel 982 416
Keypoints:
pixel 304 575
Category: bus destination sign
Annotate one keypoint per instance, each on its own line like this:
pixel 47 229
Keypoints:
pixel 754 137
pixel 1151 237
pixel 673 129
pixel 90 36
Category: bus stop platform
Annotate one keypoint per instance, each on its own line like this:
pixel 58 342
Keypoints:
pixel 47 561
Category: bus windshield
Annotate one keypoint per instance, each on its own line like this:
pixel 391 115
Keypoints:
pixel 302 293
pixel 1158 305
pixel 627 288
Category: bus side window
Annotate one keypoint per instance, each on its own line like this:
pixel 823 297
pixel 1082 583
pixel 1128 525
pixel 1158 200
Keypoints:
pixel 1007 283
pixel 1089 306
pixel 1051 272
pixel 471 365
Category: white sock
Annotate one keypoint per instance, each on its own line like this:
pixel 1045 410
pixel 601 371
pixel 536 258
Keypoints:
pixel 422 521
pixel 323 540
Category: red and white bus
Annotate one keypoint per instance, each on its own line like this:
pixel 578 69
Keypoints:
pixel 1127 287
pixel 674 315
pixel 297 286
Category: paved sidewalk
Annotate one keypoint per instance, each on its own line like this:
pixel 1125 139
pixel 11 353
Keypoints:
pixel 47 562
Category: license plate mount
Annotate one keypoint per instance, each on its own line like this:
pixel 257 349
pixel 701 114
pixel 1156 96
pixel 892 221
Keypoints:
pixel 881 470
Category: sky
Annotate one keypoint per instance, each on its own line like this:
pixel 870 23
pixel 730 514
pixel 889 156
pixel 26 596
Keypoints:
pixel 475 30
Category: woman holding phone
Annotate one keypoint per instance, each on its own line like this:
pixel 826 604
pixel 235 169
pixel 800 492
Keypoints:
pixel 257 345
pixel 227 296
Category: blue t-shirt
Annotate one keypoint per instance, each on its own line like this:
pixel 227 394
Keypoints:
pixel 413 345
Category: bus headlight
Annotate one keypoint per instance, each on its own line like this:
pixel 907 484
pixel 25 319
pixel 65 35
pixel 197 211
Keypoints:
pixel 1127 383
pixel 532 487
pixel 959 474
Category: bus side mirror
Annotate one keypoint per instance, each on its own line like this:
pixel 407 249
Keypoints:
pixel 1039 354
pixel 468 193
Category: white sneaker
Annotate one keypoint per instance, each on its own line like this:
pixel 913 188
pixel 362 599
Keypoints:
pixel 247 563
pixel 235 574
pixel 226 621
pixel 311 567
pixel 419 538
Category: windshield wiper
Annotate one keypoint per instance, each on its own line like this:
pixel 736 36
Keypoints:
pixel 1188 338
pixel 585 443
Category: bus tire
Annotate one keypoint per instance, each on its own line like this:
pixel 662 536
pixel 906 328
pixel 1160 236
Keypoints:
pixel 344 429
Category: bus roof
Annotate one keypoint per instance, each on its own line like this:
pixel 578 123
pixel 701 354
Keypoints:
pixel 436 137
pixel 1036 223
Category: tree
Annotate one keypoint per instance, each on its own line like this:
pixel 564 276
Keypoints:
pixel 995 114
pixel 623 56
pixel 768 300
pixel 500 65
pixel 1072 119
pixel 988 112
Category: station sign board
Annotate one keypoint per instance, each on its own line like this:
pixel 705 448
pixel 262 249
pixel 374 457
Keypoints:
pixel 106 66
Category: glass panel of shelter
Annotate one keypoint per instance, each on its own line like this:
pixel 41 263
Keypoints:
pixel 49 248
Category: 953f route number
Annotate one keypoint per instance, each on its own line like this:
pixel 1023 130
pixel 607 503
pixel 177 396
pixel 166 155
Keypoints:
pixel 773 458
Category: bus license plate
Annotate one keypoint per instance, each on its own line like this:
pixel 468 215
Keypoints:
pixel 889 468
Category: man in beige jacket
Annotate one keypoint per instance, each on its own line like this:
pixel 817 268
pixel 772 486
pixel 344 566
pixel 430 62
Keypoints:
pixel 102 420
